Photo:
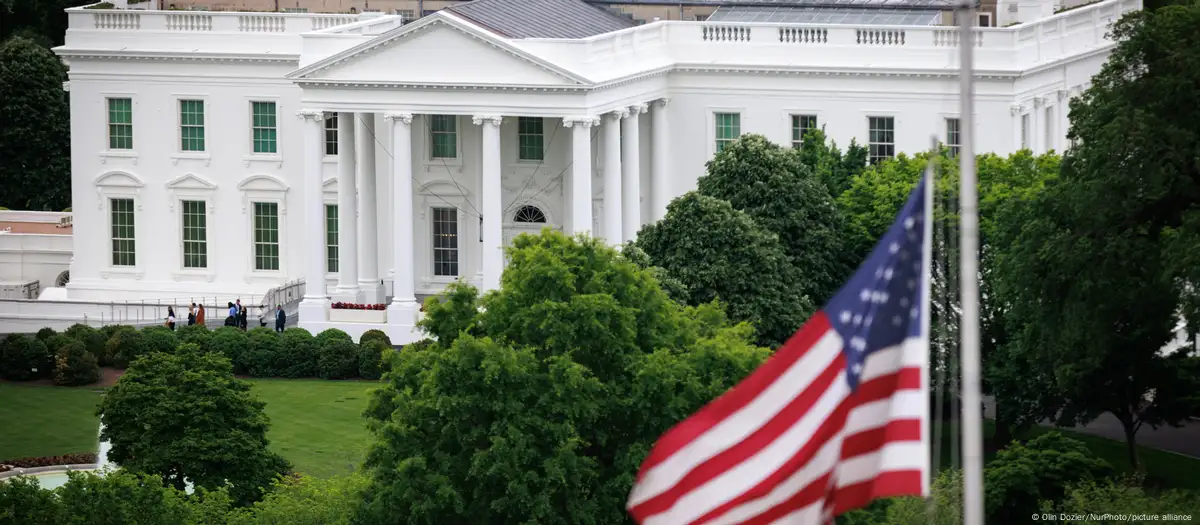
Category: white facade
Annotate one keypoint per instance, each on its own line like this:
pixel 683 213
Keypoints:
pixel 628 119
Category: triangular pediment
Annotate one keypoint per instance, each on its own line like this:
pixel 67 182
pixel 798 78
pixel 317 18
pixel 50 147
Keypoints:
pixel 438 50
pixel 191 182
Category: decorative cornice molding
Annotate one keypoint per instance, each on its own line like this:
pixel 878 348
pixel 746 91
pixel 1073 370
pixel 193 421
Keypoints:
pixel 1014 110
pixel 584 121
pixel 799 71
pixel 494 120
pixel 440 86
pixel 398 116
pixel 315 114
pixel 662 102
pixel 637 109
pixel 1038 102
pixel 1062 94
pixel 171 56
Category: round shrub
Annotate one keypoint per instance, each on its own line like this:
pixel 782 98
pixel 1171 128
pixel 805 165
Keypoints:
pixel 75 365
pixel 111 329
pixel 93 340
pixel 46 333
pixel 23 358
pixel 298 354
pixel 338 359
pixel 332 334
pixel 261 358
pixel 123 347
pixel 370 358
pixel 233 344
pixel 375 335
pixel 194 334
pixel 158 339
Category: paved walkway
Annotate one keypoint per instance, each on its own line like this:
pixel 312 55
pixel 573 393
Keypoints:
pixel 1183 440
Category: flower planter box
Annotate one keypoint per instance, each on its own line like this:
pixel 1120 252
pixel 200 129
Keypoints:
pixel 340 315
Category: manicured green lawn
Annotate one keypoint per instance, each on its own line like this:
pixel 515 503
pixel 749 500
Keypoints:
pixel 47 421
pixel 315 424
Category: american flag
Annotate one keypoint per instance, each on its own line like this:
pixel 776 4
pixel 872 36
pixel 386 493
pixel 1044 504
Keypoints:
pixel 836 418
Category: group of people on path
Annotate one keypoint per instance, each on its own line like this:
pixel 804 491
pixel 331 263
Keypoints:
pixel 237 316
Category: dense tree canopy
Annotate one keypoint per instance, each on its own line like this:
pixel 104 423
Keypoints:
pixel 538 402
pixel 184 417
pixel 35 142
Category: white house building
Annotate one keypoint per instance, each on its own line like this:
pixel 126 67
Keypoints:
pixel 225 153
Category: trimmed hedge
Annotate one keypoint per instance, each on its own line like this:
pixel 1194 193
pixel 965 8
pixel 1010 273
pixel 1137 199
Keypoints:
pixel 74 356
pixel 49 461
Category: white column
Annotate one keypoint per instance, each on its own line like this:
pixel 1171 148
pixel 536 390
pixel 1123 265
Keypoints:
pixel 581 172
pixel 368 216
pixel 1015 111
pixel 316 298
pixel 631 177
pixel 490 196
pixel 659 150
pixel 1064 109
pixel 612 177
pixel 403 310
pixel 1037 121
pixel 347 289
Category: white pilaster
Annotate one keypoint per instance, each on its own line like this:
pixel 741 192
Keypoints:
pixel 581 172
pixel 1064 109
pixel 631 176
pixel 347 288
pixel 491 195
pixel 402 312
pixel 659 150
pixel 1015 111
pixel 368 217
pixel 1037 122
pixel 316 297
pixel 612 177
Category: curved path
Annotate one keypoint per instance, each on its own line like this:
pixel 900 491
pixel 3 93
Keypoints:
pixel 1183 440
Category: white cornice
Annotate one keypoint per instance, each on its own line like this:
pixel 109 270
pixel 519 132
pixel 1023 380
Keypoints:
pixel 839 72
pixel 174 56
pixel 441 86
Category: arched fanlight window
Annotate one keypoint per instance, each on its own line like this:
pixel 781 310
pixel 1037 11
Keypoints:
pixel 62 279
pixel 529 214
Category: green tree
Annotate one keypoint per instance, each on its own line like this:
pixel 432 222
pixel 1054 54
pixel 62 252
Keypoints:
pixel 1023 475
pixel 1125 496
pixel 781 193
pixel 185 417
pixel 718 252
pixel 829 164
pixel 35 138
pixel 305 501
pixel 524 417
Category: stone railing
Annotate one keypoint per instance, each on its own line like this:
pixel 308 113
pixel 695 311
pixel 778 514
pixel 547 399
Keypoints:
pixel 203 21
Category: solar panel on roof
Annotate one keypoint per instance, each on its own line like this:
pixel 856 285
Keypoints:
pixel 817 15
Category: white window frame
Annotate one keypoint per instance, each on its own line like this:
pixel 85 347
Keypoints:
pixel 248 131
pixel 866 122
pixel 192 187
pixel 264 188
pixel 547 124
pixel 177 149
pixel 795 112
pixel 1026 130
pixel 711 123
pixel 425 131
pixel 118 184
pixel 984 15
pixel 325 156
pixel 108 153
pixel 954 148
pixel 330 197
pixel 458 251
pixel 442 193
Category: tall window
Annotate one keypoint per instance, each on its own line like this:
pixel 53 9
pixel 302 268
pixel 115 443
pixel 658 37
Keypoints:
pixel 263 124
pixel 122 232
pixel 729 128
pixel 529 138
pixel 443 136
pixel 445 242
pixel 195 235
pixel 191 125
pixel 801 125
pixel 881 138
pixel 331 134
pixel 266 236
pixel 331 238
pixel 120 123
pixel 1025 131
pixel 953 136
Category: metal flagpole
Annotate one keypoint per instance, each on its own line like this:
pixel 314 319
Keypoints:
pixel 972 413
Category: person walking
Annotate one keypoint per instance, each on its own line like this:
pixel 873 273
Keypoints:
pixel 200 314
pixel 280 318
pixel 192 314
pixel 170 318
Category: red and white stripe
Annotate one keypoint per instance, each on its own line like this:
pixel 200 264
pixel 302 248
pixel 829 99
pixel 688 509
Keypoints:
pixel 790 444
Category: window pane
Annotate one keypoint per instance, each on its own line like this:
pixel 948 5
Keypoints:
pixel 331 238
pixel 529 138
pixel 266 236
pixel 881 138
pixel 801 125
pixel 331 133
pixel 123 243
pixel 952 136
pixel 443 130
pixel 263 126
pixel 445 242
pixel 191 124
pixel 728 128
pixel 120 123
pixel 195 235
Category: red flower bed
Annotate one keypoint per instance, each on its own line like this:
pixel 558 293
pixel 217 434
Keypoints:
pixel 356 306
pixel 46 461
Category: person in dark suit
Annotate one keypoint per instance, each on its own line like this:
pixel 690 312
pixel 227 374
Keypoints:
pixel 280 318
